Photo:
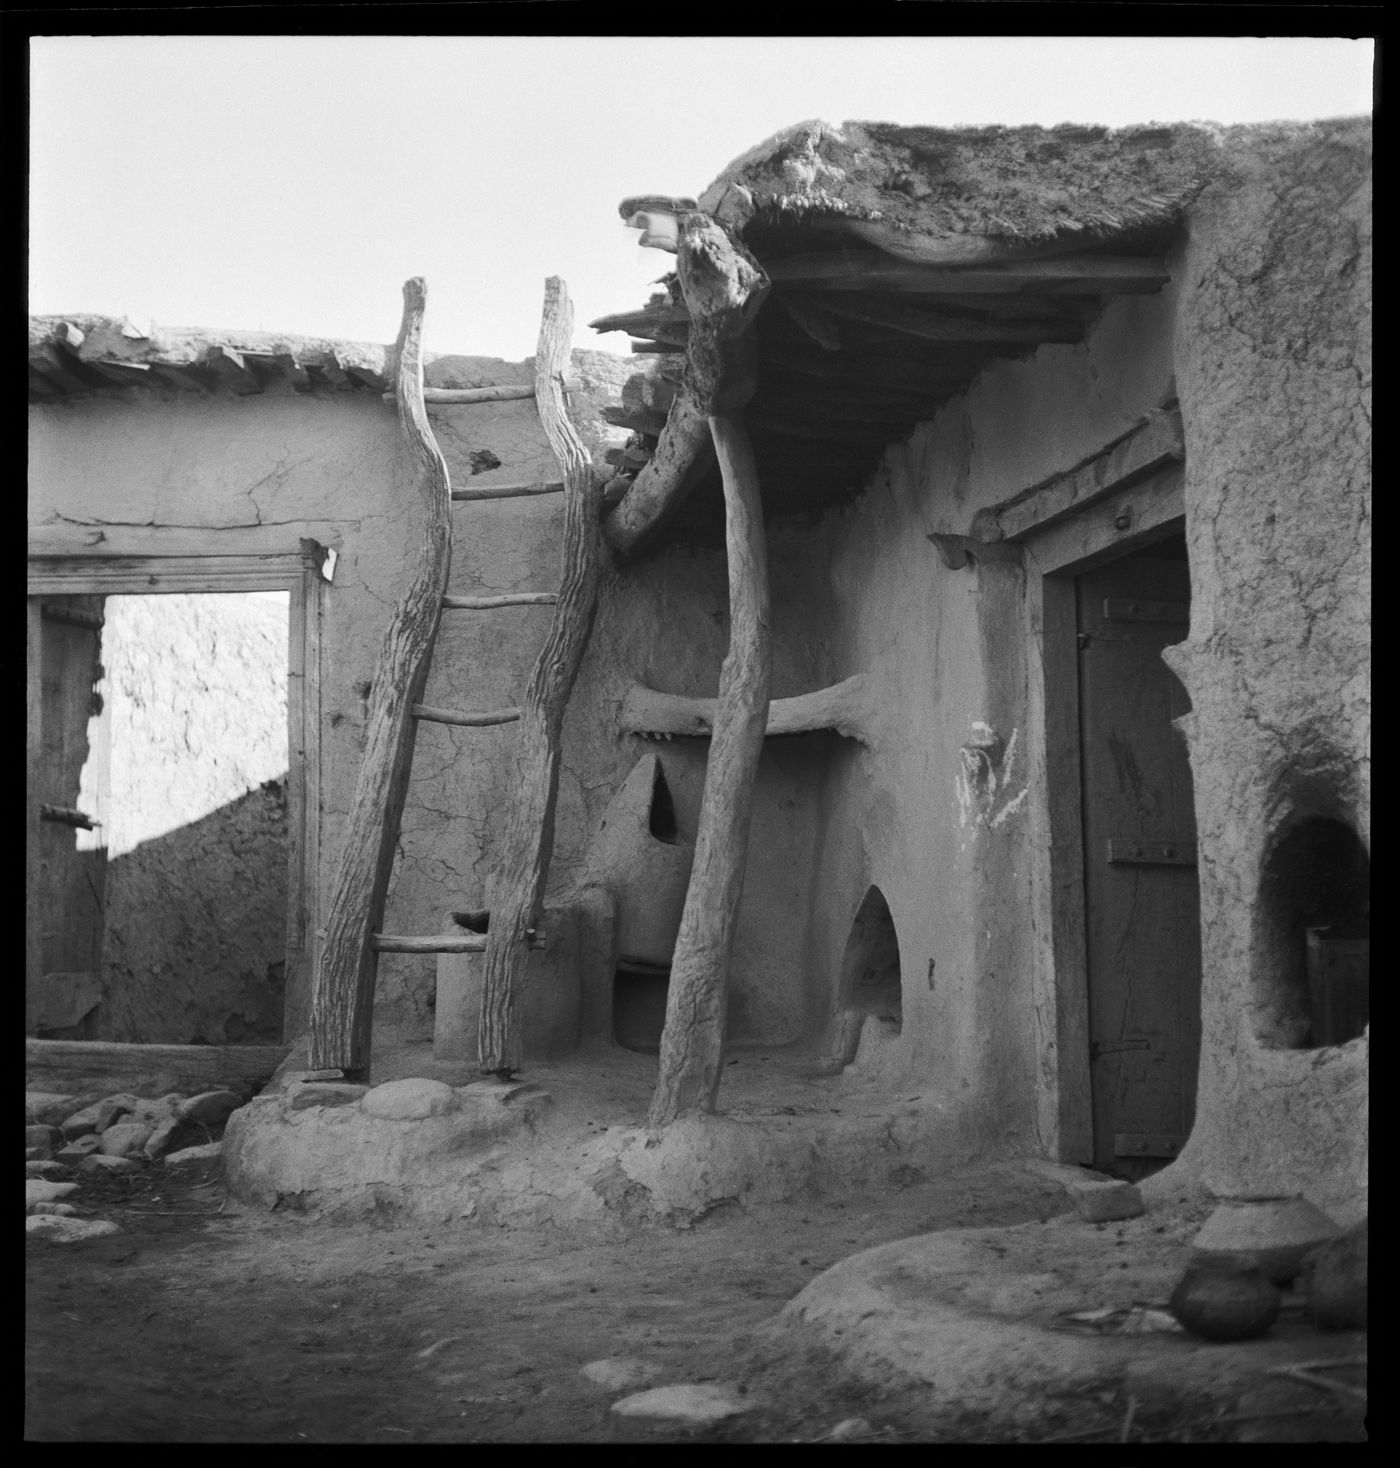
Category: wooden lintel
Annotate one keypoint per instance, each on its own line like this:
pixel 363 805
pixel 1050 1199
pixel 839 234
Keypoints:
pixel 444 943
pixel 508 491
pixel 844 707
pixel 1153 445
pixel 957 249
pixel 468 721
pixel 509 599
pixel 1092 274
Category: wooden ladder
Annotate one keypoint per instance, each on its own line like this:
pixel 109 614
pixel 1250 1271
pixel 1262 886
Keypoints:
pixel 348 946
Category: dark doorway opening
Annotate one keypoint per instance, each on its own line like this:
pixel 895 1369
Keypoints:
pixel 1142 903
pixel 869 990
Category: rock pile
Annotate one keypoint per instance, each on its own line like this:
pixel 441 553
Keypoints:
pixel 69 1138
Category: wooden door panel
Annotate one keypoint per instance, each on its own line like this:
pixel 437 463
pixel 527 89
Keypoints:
pixel 1141 894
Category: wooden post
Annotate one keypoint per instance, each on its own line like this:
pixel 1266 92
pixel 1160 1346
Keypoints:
pixel 692 1042
pixel 724 288
pixel 342 996
pixel 529 840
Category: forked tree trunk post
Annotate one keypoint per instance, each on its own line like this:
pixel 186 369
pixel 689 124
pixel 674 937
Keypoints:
pixel 529 839
pixel 342 995
pixel 724 289
pixel 692 1042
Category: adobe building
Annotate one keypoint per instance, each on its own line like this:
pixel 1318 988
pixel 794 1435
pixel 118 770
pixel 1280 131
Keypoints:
pixel 1062 819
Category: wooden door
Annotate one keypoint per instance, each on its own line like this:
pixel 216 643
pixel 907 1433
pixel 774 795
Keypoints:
pixel 67 858
pixel 1142 912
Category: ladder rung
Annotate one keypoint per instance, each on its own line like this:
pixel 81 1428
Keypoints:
pixel 506 392
pixel 471 721
pixel 485 603
pixel 509 491
pixel 440 943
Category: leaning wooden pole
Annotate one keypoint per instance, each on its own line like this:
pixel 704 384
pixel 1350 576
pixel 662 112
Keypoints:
pixel 529 840
pixel 724 289
pixel 342 996
pixel 692 1042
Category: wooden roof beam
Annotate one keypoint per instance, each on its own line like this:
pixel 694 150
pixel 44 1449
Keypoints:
pixel 941 327
pixel 1087 274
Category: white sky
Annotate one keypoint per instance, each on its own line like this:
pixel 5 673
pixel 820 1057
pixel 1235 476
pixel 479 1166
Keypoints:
pixel 294 183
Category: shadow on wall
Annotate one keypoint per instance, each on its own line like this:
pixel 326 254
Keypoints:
pixel 196 929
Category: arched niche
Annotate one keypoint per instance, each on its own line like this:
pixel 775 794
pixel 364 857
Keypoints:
pixel 1312 948
pixel 869 984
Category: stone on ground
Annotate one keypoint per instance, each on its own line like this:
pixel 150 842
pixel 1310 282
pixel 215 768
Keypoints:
pixel 58 1230
pixel 617 1373
pixel 48 1108
pixel 1106 1202
pixel 103 1162
pixel 302 1095
pixel 211 1108
pixel 125 1138
pixel 46 1168
pixel 79 1148
pixel 409 1100
pixel 700 1401
pixel 196 1162
pixel 99 1116
pixel 40 1190
pixel 44 1141
pixel 61 1210
pixel 171 1135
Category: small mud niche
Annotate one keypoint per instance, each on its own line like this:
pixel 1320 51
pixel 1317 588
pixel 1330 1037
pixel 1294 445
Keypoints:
pixel 870 991
pixel 1313 943
pixel 651 866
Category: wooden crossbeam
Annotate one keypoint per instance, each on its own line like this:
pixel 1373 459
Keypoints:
pixel 1091 274
pixel 508 491
pixel 506 392
pixel 510 599
pixel 433 715
pixel 940 327
pixel 439 943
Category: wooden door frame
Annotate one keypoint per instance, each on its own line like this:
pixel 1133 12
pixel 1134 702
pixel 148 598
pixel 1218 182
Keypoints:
pixel 299 573
pixel 1126 519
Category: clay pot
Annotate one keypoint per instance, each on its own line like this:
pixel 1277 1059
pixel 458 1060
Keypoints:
pixel 1335 1281
pixel 1225 1297
pixel 1276 1232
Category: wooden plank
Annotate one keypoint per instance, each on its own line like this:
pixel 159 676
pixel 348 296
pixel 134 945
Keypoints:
pixel 71 1067
pixel 1150 510
pixel 1072 1110
pixel 1155 444
pixel 508 491
pixel 692 1041
pixel 78 574
pixel 510 599
pixel 342 997
pixel 1090 274
pixel 640 323
pixel 844 707
pixel 441 943
pixel 469 721
pixel 942 327
pixel 523 865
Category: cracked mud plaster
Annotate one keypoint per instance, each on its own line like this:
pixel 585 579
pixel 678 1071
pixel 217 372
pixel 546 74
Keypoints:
pixel 1274 376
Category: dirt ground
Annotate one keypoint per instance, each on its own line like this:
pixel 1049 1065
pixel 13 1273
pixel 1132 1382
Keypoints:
pixel 204 1321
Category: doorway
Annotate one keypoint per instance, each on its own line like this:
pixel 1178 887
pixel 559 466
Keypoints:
pixel 1141 894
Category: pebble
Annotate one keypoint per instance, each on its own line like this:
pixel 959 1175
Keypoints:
pixel 202 1161
pixel 171 1135
pixel 59 1230
pixel 617 1373
pixel 47 1168
pixel 99 1116
pixel 125 1138
pixel 62 1210
pixel 686 1402
pixel 40 1190
pixel 849 1430
pixel 48 1108
pixel 210 1108
pixel 42 1139
pixel 79 1148
pixel 105 1163
pixel 1106 1202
